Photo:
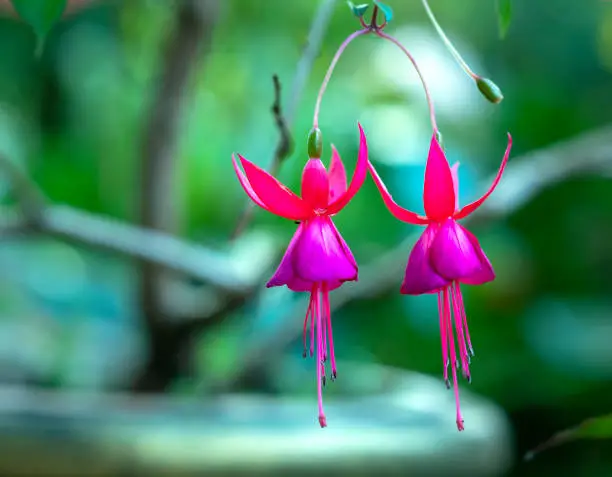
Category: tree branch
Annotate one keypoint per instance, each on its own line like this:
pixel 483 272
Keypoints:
pixel 160 249
pixel 285 144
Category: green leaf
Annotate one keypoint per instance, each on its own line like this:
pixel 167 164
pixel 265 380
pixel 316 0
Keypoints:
pixel 595 428
pixel 386 9
pixel 40 15
pixel 358 10
pixel 504 15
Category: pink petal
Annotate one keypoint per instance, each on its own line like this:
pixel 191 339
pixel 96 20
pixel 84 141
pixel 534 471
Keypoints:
pixel 298 284
pixel 285 272
pixel 345 247
pixel 337 176
pixel 395 209
pixel 452 254
pixel 439 192
pixel 420 277
pixel 486 273
pixel 320 254
pixel 468 209
pixel 286 275
pixel 244 182
pixel 277 198
pixel 359 175
pixel 455 174
pixel 315 184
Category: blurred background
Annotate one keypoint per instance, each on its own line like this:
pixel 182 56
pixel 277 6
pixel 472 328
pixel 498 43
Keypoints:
pixel 136 334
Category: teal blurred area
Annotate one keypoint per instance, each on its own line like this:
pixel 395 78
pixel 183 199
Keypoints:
pixel 86 387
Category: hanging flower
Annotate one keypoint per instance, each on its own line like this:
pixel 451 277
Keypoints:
pixel 317 260
pixel 445 256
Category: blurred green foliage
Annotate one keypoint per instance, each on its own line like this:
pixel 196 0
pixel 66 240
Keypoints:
pixel 74 119
pixel 504 16
pixel 40 15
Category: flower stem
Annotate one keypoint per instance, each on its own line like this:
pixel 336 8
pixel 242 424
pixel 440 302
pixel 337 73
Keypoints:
pixel 448 43
pixel 330 70
pixel 432 114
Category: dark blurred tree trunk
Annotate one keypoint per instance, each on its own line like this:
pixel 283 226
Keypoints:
pixel 187 46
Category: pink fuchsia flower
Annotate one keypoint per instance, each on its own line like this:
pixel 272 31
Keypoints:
pixel 317 260
pixel 445 256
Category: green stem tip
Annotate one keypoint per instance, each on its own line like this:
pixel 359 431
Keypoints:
pixel 315 143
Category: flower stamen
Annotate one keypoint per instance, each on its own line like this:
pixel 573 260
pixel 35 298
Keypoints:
pixel 463 353
pixel 444 341
pixel 327 312
pixel 464 319
pixel 451 342
pixel 320 368
pixel 308 315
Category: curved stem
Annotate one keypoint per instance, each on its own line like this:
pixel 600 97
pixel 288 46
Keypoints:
pixel 432 113
pixel 448 43
pixel 330 70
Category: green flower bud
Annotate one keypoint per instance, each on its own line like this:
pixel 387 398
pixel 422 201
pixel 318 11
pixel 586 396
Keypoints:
pixel 489 90
pixel 315 143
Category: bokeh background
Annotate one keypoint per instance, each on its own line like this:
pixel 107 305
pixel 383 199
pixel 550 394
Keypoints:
pixel 128 118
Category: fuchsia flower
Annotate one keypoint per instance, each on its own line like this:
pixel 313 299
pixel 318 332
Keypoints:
pixel 445 256
pixel 317 259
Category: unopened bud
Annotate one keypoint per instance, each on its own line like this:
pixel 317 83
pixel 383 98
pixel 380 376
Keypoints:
pixel 315 143
pixel 489 90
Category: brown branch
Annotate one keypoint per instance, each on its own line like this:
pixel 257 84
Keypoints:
pixel 284 122
pixel 525 177
pixel 285 144
pixel 283 149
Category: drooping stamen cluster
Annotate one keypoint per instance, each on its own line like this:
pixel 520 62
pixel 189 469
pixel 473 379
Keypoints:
pixel 445 256
pixel 321 334
pixel 452 311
